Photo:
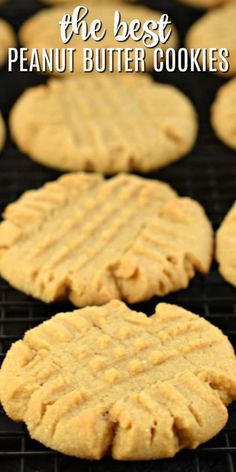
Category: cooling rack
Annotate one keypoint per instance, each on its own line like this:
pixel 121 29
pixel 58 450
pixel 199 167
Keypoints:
pixel 207 174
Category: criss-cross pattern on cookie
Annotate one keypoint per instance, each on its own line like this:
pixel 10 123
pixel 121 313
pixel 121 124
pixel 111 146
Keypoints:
pixel 92 240
pixel 110 380
pixel 104 123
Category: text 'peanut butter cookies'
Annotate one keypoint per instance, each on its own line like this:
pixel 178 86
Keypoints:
pixel 223 114
pixel 216 29
pixel 110 381
pixel 7 40
pixel 226 247
pixel 91 240
pixel 42 30
pixel 2 132
pixel 104 123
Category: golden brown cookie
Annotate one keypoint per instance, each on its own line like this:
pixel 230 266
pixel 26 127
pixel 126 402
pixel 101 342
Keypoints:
pixel 42 31
pixel 205 3
pixel 110 381
pixel 89 240
pixel 223 113
pixel 104 123
pixel 226 247
pixel 2 132
pixel 216 29
pixel 7 40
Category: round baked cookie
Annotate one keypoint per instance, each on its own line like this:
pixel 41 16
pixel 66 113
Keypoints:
pixel 2 133
pixel 42 31
pixel 90 240
pixel 223 113
pixel 104 123
pixel 226 247
pixel 110 381
pixel 205 3
pixel 7 40
pixel 216 29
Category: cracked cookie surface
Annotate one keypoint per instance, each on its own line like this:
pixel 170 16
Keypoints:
pixel 226 246
pixel 107 124
pixel 111 381
pixel 93 240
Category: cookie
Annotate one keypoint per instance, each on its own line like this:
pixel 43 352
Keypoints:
pixel 90 241
pixel 42 31
pixel 2 133
pixel 223 114
pixel 110 381
pixel 205 3
pixel 226 247
pixel 104 123
pixel 7 40
pixel 216 29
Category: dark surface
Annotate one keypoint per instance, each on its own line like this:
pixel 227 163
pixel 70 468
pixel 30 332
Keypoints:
pixel 209 175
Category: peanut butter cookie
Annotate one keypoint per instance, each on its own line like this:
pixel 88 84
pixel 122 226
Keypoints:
pixel 7 40
pixel 216 29
pixel 90 241
pixel 226 247
pixel 110 381
pixel 105 123
pixel 223 114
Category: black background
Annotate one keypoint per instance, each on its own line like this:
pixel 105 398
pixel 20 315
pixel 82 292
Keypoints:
pixel 207 174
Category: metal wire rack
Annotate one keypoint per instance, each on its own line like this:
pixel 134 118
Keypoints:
pixel 209 175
